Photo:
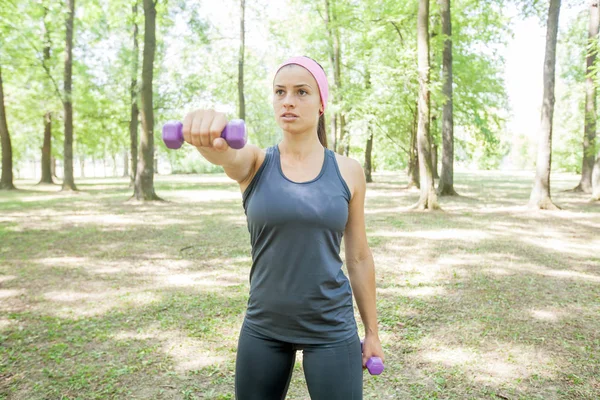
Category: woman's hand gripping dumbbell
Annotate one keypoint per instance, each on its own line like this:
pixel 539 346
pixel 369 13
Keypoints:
pixel 206 129
pixel 374 364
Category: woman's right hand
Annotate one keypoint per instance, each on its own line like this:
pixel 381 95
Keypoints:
pixel 202 129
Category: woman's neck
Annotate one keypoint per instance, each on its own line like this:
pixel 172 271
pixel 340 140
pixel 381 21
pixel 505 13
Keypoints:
pixel 300 146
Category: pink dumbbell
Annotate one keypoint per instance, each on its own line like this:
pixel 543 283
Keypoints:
pixel 374 364
pixel 234 134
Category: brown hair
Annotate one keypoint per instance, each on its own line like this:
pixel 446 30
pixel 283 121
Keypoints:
pixel 321 131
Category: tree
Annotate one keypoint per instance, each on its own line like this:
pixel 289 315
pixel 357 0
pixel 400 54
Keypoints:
pixel 413 155
pixel 596 179
pixel 135 112
pixel 69 181
pixel 369 147
pixel 540 194
pixel 144 179
pixel 589 133
pixel 6 182
pixel 47 146
pixel 428 197
pixel 335 55
pixel 242 103
pixel 446 183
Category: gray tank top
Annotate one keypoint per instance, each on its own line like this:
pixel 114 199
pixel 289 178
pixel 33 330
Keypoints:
pixel 298 291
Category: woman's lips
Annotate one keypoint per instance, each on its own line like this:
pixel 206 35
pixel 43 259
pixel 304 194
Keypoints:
pixel 288 117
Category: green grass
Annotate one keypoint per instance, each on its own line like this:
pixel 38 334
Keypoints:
pixel 104 298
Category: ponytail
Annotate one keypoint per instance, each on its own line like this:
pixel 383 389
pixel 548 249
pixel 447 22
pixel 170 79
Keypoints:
pixel 321 131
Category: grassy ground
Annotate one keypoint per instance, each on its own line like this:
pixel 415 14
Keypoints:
pixel 106 299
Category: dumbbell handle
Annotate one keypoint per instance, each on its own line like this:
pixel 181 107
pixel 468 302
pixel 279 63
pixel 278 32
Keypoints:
pixel 234 134
pixel 374 364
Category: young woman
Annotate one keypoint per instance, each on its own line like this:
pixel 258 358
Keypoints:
pixel 300 199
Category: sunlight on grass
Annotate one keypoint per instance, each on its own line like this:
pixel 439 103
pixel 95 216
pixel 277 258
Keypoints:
pixel 6 293
pixel 6 278
pixel 186 353
pixel 442 234
pixel 556 241
pixel 424 291
pixel 546 315
pixel 74 304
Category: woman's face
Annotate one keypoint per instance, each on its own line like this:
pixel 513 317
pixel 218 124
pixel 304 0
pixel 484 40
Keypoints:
pixel 296 99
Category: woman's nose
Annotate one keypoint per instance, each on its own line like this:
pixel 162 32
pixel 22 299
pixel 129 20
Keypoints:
pixel 289 101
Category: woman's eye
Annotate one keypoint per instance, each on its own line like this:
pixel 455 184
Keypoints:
pixel 279 92
pixel 302 92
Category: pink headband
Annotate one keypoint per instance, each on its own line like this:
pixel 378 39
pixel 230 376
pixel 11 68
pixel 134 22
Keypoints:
pixel 317 72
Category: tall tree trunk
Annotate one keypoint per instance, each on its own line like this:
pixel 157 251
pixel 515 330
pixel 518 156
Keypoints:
pixel 368 156
pixel 6 181
pixel 47 150
pixel 125 164
pixel 596 179
pixel 133 122
pixel 344 138
pixel 540 194
pixel 68 180
pixel 428 198
pixel 242 101
pixel 446 183
pixel 82 166
pixel 413 156
pixel 144 180
pixel 589 135
pixel 335 58
pixel 334 131
pixel 47 147
pixel 434 161
pixel 369 148
pixel 53 166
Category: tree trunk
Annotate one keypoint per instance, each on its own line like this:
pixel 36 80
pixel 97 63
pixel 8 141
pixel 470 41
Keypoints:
pixel 47 150
pixel 368 154
pixel 242 102
pixel 47 147
pixel 596 179
pixel 589 135
pixel 335 58
pixel 540 194
pixel 114 165
pixel 446 183
pixel 344 139
pixel 413 157
pixel 434 161
pixel 6 181
pixel 144 180
pixel 428 198
pixel 334 131
pixel 82 166
pixel 369 148
pixel 125 164
pixel 53 167
pixel 133 122
pixel 68 180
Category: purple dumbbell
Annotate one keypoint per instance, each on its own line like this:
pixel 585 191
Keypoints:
pixel 234 134
pixel 374 364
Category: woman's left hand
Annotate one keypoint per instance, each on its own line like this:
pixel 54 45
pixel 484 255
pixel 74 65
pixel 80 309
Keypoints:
pixel 372 348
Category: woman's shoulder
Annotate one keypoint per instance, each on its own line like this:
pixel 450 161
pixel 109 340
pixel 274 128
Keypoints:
pixel 259 157
pixel 352 172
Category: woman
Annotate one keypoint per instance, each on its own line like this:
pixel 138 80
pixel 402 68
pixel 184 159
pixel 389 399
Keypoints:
pixel 300 199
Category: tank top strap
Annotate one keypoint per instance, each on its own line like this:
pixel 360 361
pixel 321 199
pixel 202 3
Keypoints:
pixel 335 173
pixel 269 156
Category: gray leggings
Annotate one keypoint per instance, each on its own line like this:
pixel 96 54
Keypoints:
pixel 264 366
